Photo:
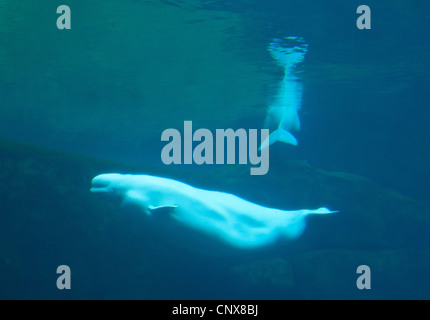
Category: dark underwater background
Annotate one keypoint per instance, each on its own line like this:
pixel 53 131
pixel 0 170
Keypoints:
pixel 95 99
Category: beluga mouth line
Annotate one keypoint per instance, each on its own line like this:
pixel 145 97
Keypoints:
pixel 184 151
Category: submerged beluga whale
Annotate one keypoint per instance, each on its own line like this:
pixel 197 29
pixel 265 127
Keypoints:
pixel 221 216
pixel 282 114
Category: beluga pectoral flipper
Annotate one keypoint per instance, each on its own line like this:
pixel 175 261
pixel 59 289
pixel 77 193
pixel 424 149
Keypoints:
pixel 282 115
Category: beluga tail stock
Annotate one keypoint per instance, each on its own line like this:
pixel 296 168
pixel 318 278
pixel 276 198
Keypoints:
pixel 282 114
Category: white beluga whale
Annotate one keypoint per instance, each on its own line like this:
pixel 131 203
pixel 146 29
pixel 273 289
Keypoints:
pixel 221 216
pixel 282 115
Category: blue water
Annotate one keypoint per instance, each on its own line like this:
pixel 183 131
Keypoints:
pixel 127 70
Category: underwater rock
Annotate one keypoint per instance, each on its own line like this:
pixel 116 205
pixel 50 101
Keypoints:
pixel 332 274
pixel 276 272
pixel 395 274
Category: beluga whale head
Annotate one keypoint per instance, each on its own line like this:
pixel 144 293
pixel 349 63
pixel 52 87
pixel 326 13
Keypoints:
pixel 112 183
